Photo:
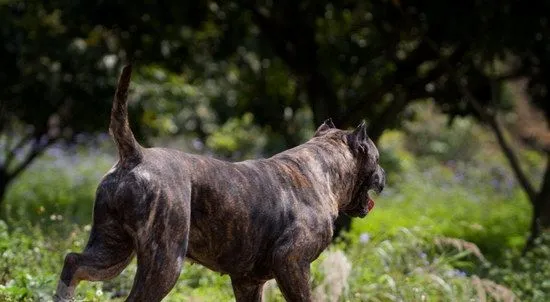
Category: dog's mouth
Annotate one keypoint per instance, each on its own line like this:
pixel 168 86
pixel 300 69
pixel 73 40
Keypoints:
pixel 367 193
pixel 364 206
pixel 367 204
pixel 363 201
pixel 370 199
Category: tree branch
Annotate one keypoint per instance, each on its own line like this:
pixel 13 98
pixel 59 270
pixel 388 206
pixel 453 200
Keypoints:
pixel 406 70
pixel 10 152
pixel 36 150
pixel 7 145
pixel 538 207
pixel 513 75
pixel 491 120
pixel 507 149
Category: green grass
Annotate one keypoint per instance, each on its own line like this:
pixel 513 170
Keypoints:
pixel 403 267
pixel 491 223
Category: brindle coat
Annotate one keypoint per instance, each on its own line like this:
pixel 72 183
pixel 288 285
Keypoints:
pixel 254 220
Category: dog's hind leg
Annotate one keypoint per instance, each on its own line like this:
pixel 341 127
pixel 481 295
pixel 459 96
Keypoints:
pixel 108 252
pixel 159 266
pixel 160 255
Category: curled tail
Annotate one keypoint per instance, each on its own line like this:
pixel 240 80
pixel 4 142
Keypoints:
pixel 126 143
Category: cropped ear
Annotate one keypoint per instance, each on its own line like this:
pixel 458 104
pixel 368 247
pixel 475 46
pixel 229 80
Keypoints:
pixel 326 125
pixel 358 139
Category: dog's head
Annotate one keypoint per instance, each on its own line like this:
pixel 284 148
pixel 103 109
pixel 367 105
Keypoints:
pixel 369 174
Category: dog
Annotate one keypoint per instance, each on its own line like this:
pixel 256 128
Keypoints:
pixel 254 220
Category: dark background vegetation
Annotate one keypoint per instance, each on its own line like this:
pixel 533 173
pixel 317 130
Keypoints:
pixel 455 94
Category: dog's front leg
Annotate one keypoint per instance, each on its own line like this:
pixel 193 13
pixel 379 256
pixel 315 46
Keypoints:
pixel 247 290
pixel 293 280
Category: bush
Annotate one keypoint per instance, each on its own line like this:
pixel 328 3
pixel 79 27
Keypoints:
pixel 238 138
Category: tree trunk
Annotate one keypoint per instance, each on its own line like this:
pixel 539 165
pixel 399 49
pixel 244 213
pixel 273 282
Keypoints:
pixel 543 215
pixel 540 219
pixel 4 181
pixel 3 186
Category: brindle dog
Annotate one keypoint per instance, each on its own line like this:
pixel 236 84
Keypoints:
pixel 254 220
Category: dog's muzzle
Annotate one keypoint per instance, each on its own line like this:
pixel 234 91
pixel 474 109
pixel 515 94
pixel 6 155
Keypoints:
pixel 363 202
pixel 377 185
pixel 379 181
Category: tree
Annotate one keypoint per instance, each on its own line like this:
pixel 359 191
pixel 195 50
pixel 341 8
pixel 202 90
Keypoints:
pixel 59 60
pixel 51 81
pixel 489 62
pixel 279 64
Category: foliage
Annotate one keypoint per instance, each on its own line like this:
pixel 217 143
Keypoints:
pixel 429 134
pixel 244 79
pixel 289 65
pixel 238 138
pixel 170 104
pixel 408 267
pixel 347 59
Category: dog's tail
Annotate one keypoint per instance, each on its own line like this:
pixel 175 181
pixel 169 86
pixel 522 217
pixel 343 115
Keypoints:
pixel 126 143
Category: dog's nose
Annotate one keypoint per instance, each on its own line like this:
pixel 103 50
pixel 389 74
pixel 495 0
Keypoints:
pixel 381 179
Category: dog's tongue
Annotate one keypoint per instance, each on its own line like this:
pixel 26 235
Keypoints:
pixel 370 204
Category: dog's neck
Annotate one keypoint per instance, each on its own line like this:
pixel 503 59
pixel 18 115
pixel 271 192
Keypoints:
pixel 332 164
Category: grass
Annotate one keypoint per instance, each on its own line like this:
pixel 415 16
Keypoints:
pixel 451 211
pixel 403 267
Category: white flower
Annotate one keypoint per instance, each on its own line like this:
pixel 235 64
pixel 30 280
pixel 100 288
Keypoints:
pixel 364 238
